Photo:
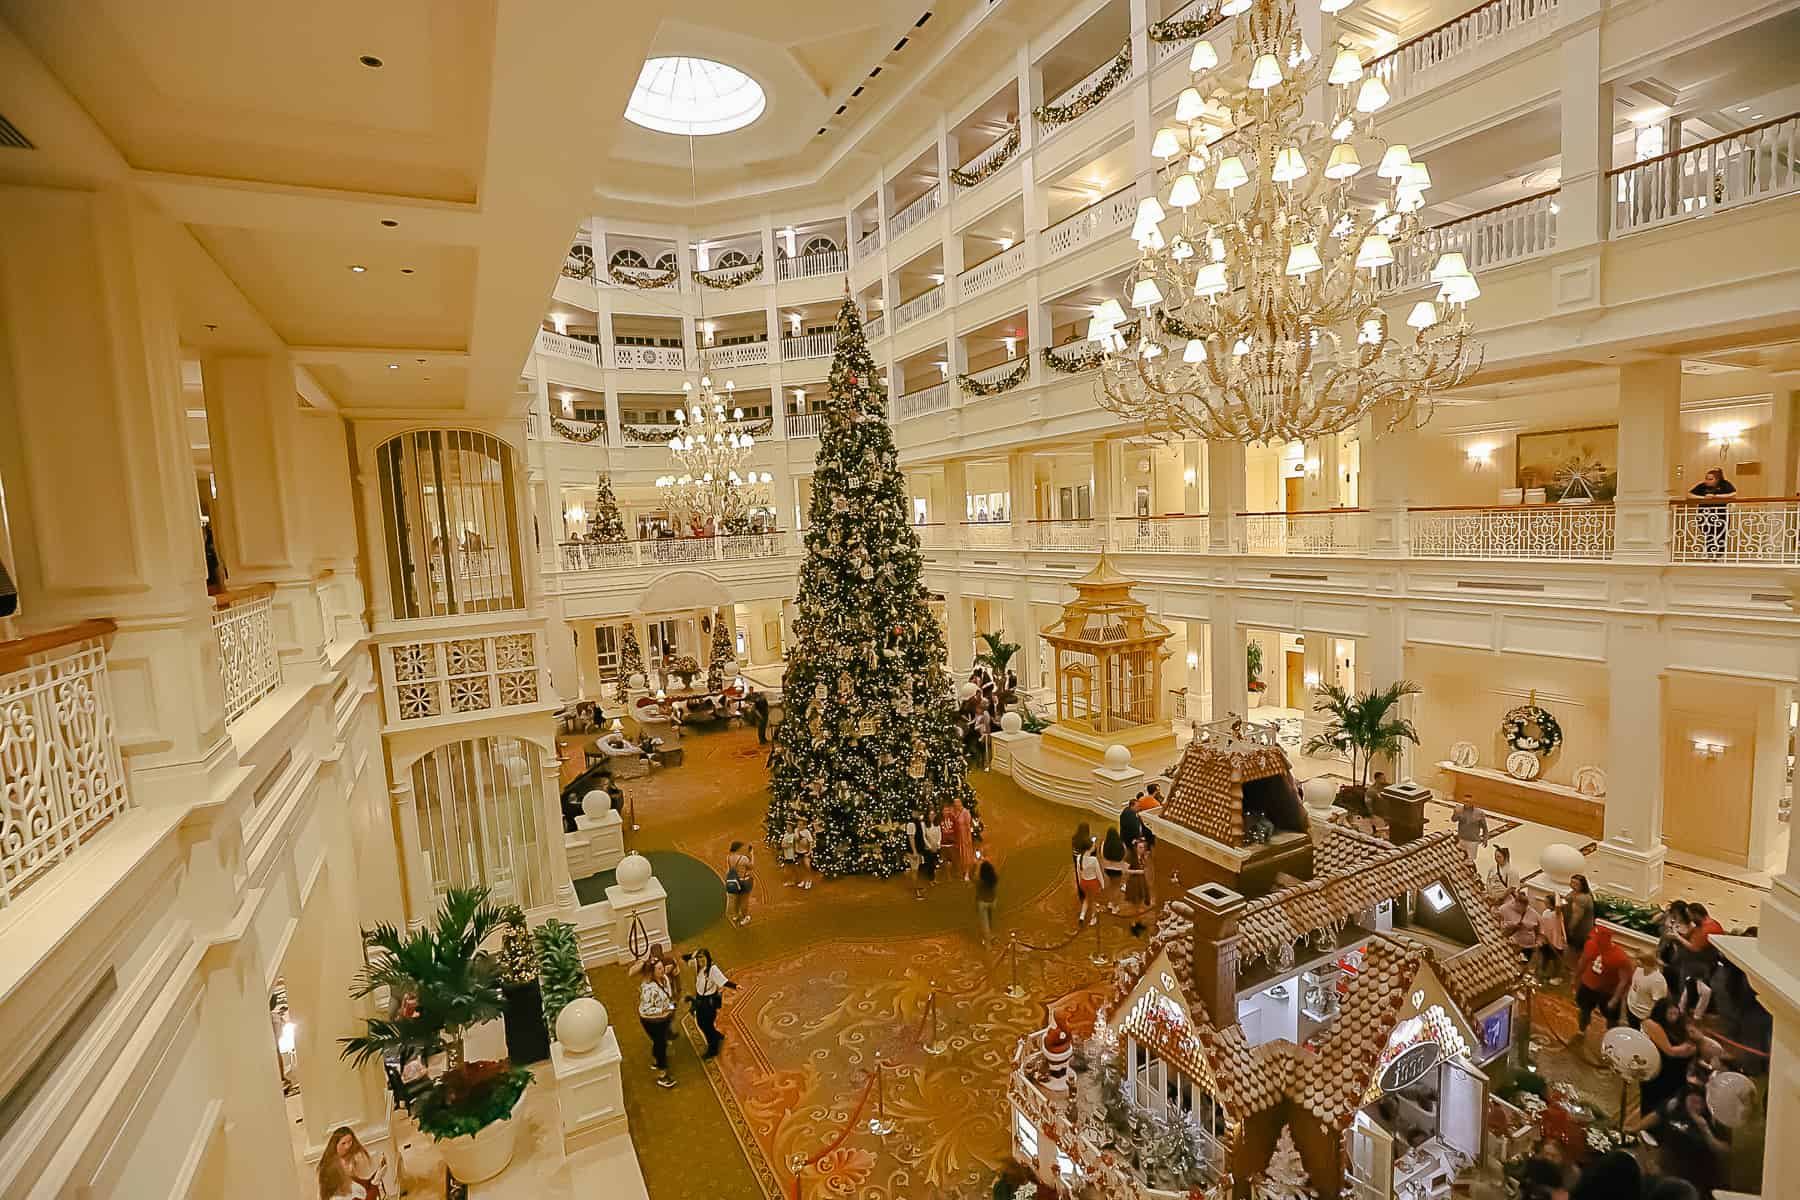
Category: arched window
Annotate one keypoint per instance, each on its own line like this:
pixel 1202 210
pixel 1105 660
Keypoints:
pixel 449 514
pixel 732 258
pixel 665 261
pixel 479 803
pixel 628 258
pixel 818 245
pixel 581 253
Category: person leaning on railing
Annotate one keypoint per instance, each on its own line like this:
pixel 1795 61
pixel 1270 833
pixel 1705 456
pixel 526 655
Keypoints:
pixel 1713 491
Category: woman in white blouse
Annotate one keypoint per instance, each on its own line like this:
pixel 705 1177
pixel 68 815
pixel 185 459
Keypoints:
pixel 709 997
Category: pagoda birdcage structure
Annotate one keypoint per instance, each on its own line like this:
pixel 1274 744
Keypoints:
pixel 1109 661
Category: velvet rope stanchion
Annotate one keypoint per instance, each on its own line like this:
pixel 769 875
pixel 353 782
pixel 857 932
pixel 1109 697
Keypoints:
pixel 933 1045
pixel 1098 956
pixel 1014 989
pixel 799 1164
pixel 879 1124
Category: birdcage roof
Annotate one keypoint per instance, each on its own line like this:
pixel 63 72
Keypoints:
pixel 1104 613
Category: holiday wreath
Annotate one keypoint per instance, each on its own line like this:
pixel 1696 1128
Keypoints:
pixel 1531 729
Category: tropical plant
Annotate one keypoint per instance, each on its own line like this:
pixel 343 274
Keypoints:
pixel 999 652
pixel 1363 726
pixel 1253 665
pixel 560 973
pixel 444 984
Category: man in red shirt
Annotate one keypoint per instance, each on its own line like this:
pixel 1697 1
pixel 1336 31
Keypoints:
pixel 1602 981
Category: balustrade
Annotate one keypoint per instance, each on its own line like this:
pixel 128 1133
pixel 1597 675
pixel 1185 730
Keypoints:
pixel 804 425
pixel 568 347
pixel 987 535
pixel 998 151
pixel 1105 216
pixel 811 345
pixel 1493 237
pixel 1327 532
pixel 1551 531
pixel 1193 10
pixel 1008 264
pixel 1164 535
pixel 925 400
pixel 1742 531
pixel 874 327
pixel 868 244
pixel 249 663
pixel 1066 535
pixel 451 676
pixel 1752 164
pixel 1479 35
pixel 919 307
pixel 933 536
pixel 743 354
pixel 1079 88
pixel 1000 376
pixel 59 752
pixel 649 358
pixel 914 213
pixel 809 266
pixel 649 552
pixel 652 278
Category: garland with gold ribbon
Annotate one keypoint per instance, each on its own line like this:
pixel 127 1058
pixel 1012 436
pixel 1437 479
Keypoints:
pixel 592 433
pixel 1062 114
pixel 578 268
pixel 742 276
pixel 1090 361
pixel 1005 383
pixel 662 280
pixel 1185 31
pixel 968 179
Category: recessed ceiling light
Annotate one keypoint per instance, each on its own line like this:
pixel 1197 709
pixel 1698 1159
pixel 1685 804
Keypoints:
pixel 369 60
pixel 389 222
pixel 406 270
pixel 393 366
pixel 1743 108
pixel 357 268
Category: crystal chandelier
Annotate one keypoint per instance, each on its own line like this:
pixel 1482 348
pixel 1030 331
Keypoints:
pixel 709 449
pixel 1259 291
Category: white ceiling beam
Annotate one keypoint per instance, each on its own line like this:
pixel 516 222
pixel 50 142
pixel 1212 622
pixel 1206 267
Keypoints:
pixel 281 208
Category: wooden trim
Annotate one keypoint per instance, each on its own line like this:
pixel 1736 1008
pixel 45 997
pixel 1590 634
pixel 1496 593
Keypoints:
pixel 232 597
pixel 1488 212
pixel 14 654
pixel 1733 498
pixel 1170 517
pixel 1008 521
pixel 1057 520
pixel 1304 512
pixel 1545 507
pixel 1711 141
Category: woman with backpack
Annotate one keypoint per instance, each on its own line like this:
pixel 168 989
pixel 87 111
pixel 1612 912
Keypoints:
pixel 709 997
pixel 740 878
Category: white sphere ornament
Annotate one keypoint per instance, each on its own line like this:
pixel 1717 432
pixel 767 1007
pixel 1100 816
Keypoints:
pixel 1559 861
pixel 633 872
pixel 596 804
pixel 636 682
pixel 1732 1098
pixel 1011 723
pixel 1117 757
pixel 581 1024
pixel 1630 1052
pixel 964 691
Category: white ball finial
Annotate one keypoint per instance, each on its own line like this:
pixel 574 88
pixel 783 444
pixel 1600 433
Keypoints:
pixel 595 803
pixel 1117 757
pixel 1011 722
pixel 1559 861
pixel 633 872
pixel 581 1024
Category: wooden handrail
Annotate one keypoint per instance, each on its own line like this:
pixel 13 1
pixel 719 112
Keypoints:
pixel 1305 512
pixel 232 597
pixel 1701 145
pixel 989 521
pixel 15 653
pixel 1733 498
pixel 1487 212
pixel 1170 517
pixel 1547 506
pixel 692 537
pixel 1060 520
pixel 1435 29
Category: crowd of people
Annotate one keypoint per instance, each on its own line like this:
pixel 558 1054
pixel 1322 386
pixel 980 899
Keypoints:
pixel 660 993
pixel 1116 871
pixel 979 711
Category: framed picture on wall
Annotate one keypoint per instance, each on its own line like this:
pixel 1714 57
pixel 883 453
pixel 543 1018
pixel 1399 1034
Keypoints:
pixel 1573 466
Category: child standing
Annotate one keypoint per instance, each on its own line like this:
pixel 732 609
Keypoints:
pixel 803 851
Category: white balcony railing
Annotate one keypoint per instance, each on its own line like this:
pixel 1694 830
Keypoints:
pixel 568 347
pixel 1744 531
pixel 1070 353
pixel 875 327
pixel 919 307
pixel 744 354
pixel 1163 535
pixel 1082 86
pixel 454 676
pixel 811 345
pixel 1492 238
pixel 604 556
pixel 1480 35
pixel 936 536
pixel 65 779
pixel 1001 373
pixel 1065 535
pixel 868 243
pixel 1334 531
pixel 804 425
pixel 649 358
pixel 249 663
pixel 1009 264
pixel 998 151
pixel 1097 220
pixel 1549 531
pixel 931 399
pixel 1752 164
pixel 987 535
pixel 810 266
pixel 913 213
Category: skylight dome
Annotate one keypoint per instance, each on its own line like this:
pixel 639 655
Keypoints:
pixel 693 96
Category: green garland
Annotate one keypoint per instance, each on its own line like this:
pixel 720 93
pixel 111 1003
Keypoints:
pixel 1516 728
pixel 593 433
pixel 1091 361
pixel 1175 327
pixel 1062 114
pixel 647 282
pixel 969 179
pixel 583 270
pixel 1185 31
pixel 1641 918
pixel 1005 383
pixel 744 275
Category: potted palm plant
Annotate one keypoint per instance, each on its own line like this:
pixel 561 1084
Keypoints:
pixel 999 653
pixel 1253 665
pixel 442 984
pixel 1362 728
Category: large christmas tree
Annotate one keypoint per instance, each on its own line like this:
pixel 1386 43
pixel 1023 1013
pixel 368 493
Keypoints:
pixel 723 662
pixel 868 733
pixel 606 525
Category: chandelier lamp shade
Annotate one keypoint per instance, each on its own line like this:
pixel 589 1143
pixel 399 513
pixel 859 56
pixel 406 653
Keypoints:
pixel 713 482
pixel 1260 255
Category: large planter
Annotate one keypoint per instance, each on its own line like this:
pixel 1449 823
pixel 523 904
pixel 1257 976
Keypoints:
pixel 1256 699
pixel 482 1155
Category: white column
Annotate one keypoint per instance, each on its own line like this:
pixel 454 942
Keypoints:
pixel 1193 477
pixel 1385 462
pixel 554 841
pixel 956 497
pixel 1630 858
pixel 1588 114
pixel 1649 451
pixel 1225 490
pixel 1105 480
pixel 416 871
pixel 587 662
pixel 1784 435
pixel 1225 652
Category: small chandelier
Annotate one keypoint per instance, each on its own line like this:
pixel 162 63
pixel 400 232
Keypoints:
pixel 1259 291
pixel 712 483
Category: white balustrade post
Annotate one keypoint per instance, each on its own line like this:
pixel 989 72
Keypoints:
pixel 551 819
pixel 1630 857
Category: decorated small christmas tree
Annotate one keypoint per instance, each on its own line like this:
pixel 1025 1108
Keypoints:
pixel 1286 1177
pixel 869 734
pixel 723 662
pixel 606 524
pixel 631 656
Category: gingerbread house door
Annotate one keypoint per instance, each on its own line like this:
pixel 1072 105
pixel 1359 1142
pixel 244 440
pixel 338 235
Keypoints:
pixel 1371 1173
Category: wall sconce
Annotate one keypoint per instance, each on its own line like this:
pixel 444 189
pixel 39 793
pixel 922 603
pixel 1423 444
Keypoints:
pixel 561 321
pixel 1193 660
pixel 576 513
pixel 1312 680
pixel 943 368
pixel 1706 749
pixel 1188 477
pixel 794 320
pixel 1480 455
pixel 1723 435
pixel 708 329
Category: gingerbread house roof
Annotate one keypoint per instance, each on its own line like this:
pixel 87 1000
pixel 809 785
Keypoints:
pixel 1206 784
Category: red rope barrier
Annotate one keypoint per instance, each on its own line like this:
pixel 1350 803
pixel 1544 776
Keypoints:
pixel 843 1134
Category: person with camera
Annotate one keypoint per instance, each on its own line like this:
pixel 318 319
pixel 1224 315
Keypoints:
pixel 708 998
